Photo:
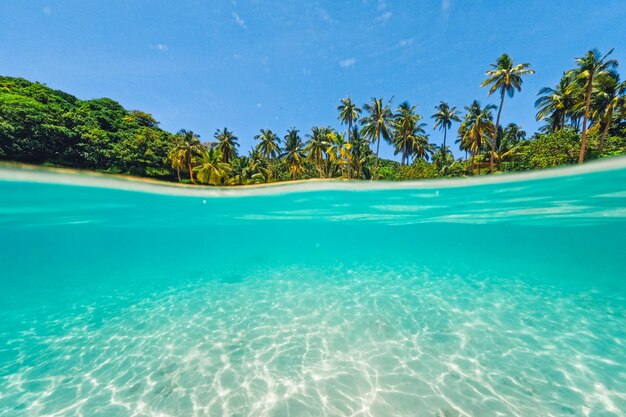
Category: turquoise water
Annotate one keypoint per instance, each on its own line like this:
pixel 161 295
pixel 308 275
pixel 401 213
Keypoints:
pixel 499 297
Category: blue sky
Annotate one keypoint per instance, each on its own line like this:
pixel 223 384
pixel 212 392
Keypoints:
pixel 246 64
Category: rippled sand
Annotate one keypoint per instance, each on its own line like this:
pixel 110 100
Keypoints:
pixel 301 342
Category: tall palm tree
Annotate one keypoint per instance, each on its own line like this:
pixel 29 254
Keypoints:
pixel 316 147
pixel 348 113
pixel 505 77
pixel 476 129
pixel 607 97
pixel 556 105
pixel 227 143
pixel 591 66
pixel 210 169
pixel 187 146
pixel 269 147
pixel 377 124
pixel 444 117
pixel 409 137
pixel 293 152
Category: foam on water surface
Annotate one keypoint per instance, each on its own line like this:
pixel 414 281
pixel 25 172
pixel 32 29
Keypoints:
pixel 495 299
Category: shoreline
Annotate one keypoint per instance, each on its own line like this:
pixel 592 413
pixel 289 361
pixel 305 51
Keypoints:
pixel 20 172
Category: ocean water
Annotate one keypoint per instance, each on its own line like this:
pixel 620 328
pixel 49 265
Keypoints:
pixel 501 296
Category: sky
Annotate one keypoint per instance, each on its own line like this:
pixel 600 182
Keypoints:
pixel 249 64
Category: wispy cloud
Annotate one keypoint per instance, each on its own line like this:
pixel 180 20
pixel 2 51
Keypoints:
pixel 384 18
pixel 47 10
pixel 445 6
pixel 323 14
pixel 405 42
pixel 239 20
pixel 160 47
pixel 347 63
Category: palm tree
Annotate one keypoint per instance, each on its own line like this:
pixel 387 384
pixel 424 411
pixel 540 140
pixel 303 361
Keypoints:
pixel 293 153
pixel 338 151
pixel 269 147
pixel 505 78
pixel 608 95
pixel 376 124
pixel 360 154
pixel 476 129
pixel 316 147
pixel 443 159
pixel 211 169
pixel 591 67
pixel 348 113
pixel 187 146
pixel 252 169
pixel 444 117
pixel 227 143
pixel 409 137
pixel 509 139
pixel 556 105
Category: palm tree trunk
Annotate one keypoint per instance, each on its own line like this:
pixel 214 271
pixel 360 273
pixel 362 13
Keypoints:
pixel 349 133
pixel 472 163
pixel 495 134
pixel 583 139
pixel 190 172
pixel 606 129
pixel 445 131
pixel 376 164
pixel 178 172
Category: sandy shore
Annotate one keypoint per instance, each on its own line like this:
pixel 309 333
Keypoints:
pixel 10 171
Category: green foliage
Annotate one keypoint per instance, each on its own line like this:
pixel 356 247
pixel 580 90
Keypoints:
pixel 41 125
pixel 548 150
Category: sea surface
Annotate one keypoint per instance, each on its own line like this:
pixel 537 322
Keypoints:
pixel 494 296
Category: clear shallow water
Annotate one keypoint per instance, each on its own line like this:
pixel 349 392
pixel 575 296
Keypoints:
pixel 503 299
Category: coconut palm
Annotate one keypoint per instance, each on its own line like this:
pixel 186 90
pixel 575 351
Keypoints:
pixel 268 147
pixel 505 77
pixel 608 95
pixel 293 153
pixel 404 125
pixel 443 159
pixel 252 169
pixel 348 113
pixel 210 169
pixel 556 105
pixel 591 67
pixel 444 117
pixel 476 129
pixel 360 154
pixel 227 144
pixel 316 147
pixel 338 151
pixel 186 147
pixel 377 124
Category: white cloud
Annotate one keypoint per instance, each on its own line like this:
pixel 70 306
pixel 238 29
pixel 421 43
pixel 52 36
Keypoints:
pixel 159 46
pixel 47 10
pixel 347 63
pixel 384 17
pixel 405 42
pixel 445 5
pixel 239 20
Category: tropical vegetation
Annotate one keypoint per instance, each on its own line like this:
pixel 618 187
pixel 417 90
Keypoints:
pixel 583 117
